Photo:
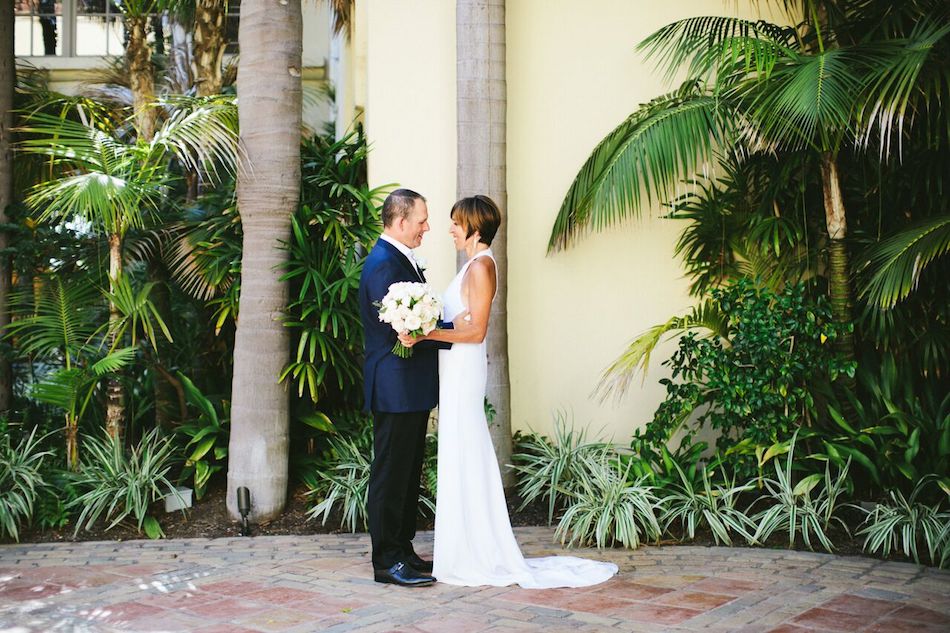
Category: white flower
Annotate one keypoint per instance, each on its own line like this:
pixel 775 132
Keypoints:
pixel 422 263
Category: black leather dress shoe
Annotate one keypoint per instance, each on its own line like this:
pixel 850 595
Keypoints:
pixel 424 566
pixel 403 575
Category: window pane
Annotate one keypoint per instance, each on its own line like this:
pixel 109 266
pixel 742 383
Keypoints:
pixel 38 26
pixel 91 35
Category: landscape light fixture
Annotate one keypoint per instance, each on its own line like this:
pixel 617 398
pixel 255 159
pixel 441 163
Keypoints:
pixel 244 507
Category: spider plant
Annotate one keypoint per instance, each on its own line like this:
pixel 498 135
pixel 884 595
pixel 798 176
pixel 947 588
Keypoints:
pixel 551 469
pixel 793 507
pixel 904 522
pixel 713 505
pixel 604 507
pixel 21 479
pixel 117 484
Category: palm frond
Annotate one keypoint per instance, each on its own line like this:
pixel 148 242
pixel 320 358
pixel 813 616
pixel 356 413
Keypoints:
pixel 902 72
pixel 808 101
pixel 708 43
pixel 60 322
pixel 201 132
pixel 617 377
pixel 645 156
pixel 896 263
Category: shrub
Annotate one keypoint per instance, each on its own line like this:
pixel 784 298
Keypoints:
pixel 714 506
pixel 904 522
pixel 115 484
pixel 551 470
pixel 757 386
pixel 793 509
pixel 604 507
pixel 21 480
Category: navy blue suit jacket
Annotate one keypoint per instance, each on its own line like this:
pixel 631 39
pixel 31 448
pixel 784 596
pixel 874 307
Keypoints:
pixel 392 384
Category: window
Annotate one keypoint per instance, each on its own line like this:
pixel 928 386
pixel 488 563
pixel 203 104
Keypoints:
pixel 80 28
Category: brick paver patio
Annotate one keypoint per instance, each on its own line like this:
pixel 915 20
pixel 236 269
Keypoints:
pixel 324 583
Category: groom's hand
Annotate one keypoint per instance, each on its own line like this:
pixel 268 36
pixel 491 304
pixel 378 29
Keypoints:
pixel 462 321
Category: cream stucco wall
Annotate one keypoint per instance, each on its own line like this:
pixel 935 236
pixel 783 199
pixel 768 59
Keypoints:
pixel 410 111
pixel 572 75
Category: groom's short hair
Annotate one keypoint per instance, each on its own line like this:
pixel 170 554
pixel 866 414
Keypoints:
pixel 478 213
pixel 399 204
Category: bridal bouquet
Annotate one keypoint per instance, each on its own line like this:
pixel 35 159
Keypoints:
pixel 409 307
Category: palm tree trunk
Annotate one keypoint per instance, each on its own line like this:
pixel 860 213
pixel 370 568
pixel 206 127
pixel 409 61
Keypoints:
pixel 839 268
pixel 208 46
pixel 115 405
pixel 72 443
pixel 139 58
pixel 7 83
pixel 480 27
pixel 268 192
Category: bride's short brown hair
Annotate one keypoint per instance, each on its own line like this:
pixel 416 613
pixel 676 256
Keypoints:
pixel 477 213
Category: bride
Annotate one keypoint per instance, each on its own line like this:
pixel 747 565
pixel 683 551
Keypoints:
pixel 474 544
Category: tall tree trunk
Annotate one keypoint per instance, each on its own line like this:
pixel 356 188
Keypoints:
pixel 480 81
pixel 208 46
pixel 141 80
pixel 268 192
pixel 115 405
pixel 7 83
pixel 839 267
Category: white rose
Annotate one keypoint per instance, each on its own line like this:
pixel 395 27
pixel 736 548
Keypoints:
pixel 413 323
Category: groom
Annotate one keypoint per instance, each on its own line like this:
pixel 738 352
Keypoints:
pixel 399 392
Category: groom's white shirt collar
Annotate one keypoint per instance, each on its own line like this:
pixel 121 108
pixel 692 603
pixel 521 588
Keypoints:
pixel 402 248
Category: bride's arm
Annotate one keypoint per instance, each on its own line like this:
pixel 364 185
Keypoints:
pixel 480 289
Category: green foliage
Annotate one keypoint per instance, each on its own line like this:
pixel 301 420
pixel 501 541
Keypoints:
pixel 21 481
pixel 336 224
pixel 798 508
pixel 115 484
pixel 208 435
pixel 345 480
pixel 551 470
pixel 605 507
pixel 757 386
pixel 904 522
pixel 897 431
pixel 712 505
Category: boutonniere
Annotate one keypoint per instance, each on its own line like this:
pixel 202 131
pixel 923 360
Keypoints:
pixel 422 263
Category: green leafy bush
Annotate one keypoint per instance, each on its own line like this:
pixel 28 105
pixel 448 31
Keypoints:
pixel 207 437
pixel 798 508
pixel 337 223
pixel 551 470
pixel 345 480
pixel 605 507
pixel 756 387
pixel 903 522
pixel 712 505
pixel 897 430
pixel 21 480
pixel 115 484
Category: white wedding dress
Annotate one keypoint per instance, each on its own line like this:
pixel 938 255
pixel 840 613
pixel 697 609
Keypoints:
pixel 474 544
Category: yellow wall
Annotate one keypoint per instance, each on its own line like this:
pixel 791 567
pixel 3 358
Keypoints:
pixel 572 75
pixel 410 112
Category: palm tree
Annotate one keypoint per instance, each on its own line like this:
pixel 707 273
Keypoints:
pixel 209 44
pixel 114 186
pixel 755 87
pixel 7 82
pixel 481 170
pixel 268 191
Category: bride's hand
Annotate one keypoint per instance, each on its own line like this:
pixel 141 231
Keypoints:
pixel 408 340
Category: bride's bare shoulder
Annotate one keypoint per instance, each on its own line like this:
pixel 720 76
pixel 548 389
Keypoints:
pixel 481 271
